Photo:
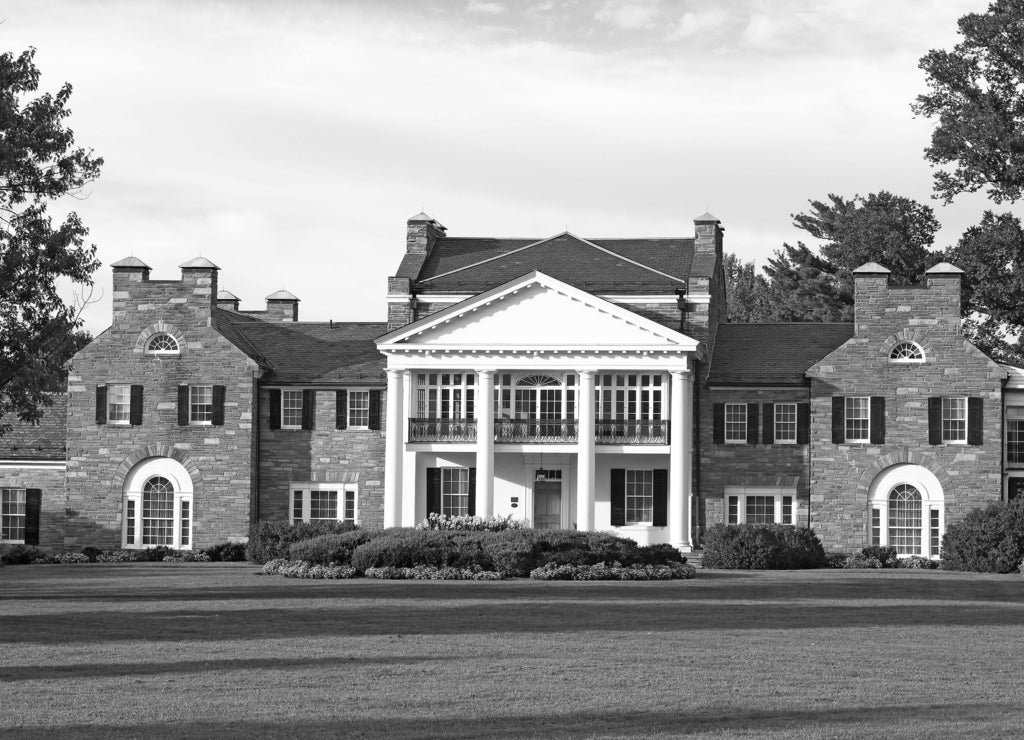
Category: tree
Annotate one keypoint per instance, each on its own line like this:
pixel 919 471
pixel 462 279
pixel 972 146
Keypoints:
pixel 747 294
pixel 977 95
pixel 39 163
pixel 991 255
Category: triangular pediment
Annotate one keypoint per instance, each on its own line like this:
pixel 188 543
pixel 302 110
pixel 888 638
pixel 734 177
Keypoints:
pixel 537 311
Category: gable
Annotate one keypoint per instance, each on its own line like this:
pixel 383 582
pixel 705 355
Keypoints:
pixel 537 312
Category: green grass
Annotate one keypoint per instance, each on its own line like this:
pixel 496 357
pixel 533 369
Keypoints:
pixel 167 650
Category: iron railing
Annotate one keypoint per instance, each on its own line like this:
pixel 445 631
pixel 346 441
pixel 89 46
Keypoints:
pixel 530 430
pixel 608 432
pixel 442 430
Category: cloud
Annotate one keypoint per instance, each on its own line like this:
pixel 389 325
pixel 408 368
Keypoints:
pixel 486 8
pixel 628 16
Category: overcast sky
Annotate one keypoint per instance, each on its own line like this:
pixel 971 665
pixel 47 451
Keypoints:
pixel 289 141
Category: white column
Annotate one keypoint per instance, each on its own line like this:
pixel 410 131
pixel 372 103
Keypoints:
pixel 680 460
pixel 585 459
pixel 407 503
pixel 484 442
pixel 394 444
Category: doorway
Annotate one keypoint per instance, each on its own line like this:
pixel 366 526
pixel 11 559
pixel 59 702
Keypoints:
pixel 547 499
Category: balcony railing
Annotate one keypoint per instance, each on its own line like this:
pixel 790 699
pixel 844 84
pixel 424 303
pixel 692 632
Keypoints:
pixel 442 430
pixel 530 430
pixel 631 432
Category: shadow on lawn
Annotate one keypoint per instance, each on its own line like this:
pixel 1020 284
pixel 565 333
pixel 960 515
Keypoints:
pixel 715 720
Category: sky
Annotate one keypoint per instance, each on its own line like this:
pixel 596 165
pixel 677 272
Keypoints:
pixel 289 141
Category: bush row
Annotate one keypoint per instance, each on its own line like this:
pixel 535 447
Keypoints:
pixel 613 572
pixel 762 547
pixel 272 540
pixel 29 554
pixel 471 523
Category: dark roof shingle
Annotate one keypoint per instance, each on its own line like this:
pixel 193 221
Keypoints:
pixel 37 442
pixel 772 354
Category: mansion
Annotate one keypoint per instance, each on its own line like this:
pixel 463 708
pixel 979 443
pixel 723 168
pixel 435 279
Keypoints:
pixel 575 383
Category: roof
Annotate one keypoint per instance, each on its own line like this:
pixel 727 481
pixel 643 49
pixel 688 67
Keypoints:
pixel 307 353
pixel 282 295
pixel 130 262
pixel 749 354
pixel 37 442
pixel 473 265
pixel 198 263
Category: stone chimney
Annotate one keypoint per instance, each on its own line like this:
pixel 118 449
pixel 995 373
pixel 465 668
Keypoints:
pixel 422 232
pixel 200 275
pixel 282 306
pixel 704 302
pixel 227 300
pixel 880 309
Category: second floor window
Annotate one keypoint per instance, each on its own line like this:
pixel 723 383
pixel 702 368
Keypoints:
pixel 858 419
pixel 445 395
pixel 359 409
pixel 785 423
pixel 291 409
pixel 954 419
pixel 1015 435
pixel 735 423
pixel 200 404
pixel 119 403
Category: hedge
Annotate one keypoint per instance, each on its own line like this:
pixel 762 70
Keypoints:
pixel 988 540
pixel 762 547
pixel 272 540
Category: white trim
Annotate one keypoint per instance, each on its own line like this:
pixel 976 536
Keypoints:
pixel 778 493
pixel 343 490
pixel 932 499
pixel 33 465
pixel 132 494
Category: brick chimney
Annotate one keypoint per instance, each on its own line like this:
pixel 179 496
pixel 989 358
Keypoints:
pixel 282 306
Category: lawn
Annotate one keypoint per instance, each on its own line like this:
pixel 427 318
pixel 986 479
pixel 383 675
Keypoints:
pixel 173 650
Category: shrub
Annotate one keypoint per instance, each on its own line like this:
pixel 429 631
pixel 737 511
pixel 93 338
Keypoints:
pixel 569 547
pixel 917 561
pixel 405 548
pixel 148 555
pixel 92 553
pixel 887 556
pixel 613 572
pixel 331 549
pixel 430 573
pixel 471 523
pixel 302 569
pixel 270 540
pixel 988 540
pixel 762 547
pixel 226 552
pixel 186 556
pixel 661 554
pixel 860 561
pixel 21 555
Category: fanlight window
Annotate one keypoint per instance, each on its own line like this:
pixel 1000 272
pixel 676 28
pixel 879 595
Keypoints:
pixel 906 352
pixel 538 381
pixel 162 344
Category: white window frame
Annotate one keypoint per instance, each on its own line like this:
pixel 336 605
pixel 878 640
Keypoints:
pixel 132 530
pixel 193 403
pixel 165 352
pixel 364 407
pixel 932 507
pixel 113 391
pixel 630 396
pixel 8 502
pixel 300 501
pixel 451 479
pixel 907 360
pixel 779 438
pixel 951 416
pixel 742 493
pixel 1014 415
pixel 286 394
pixel 849 403
pixel 741 440
pixel 448 395
pixel 644 479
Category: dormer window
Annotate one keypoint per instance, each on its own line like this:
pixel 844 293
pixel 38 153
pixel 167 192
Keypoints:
pixel 162 344
pixel 906 352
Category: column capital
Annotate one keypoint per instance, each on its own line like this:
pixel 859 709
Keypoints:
pixel 394 372
pixel 485 373
pixel 684 374
pixel 586 373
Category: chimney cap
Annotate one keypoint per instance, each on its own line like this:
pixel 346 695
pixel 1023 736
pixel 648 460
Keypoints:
pixel 226 295
pixel 707 217
pixel 872 268
pixel 282 295
pixel 199 263
pixel 944 268
pixel 131 262
pixel 421 216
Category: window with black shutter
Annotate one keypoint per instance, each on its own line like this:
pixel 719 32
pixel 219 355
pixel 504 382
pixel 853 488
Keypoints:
pixel 341 409
pixel 219 394
pixel 275 408
pixel 877 420
pixel 718 412
pixel 135 418
pixel 975 421
pixel 433 491
pixel 660 518
pixel 618 491
pixel 183 405
pixel 935 420
pixel 803 423
pixel 752 423
pixel 101 404
pixel 308 408
pixel 375 408
pixel 768 423
pixel 33 507
pixel 838 419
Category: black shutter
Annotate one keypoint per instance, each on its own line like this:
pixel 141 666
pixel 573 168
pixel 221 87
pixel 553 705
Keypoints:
pixel 219 392
pixel 618 497
pixel 308 408
pixel 341 409
pixel 183 406
pixel 935 420
pixel 719 423
pixel 877 420
pixel 275 408
pixel 135 411
pixel 433 491
pixel 101 404
pixel 751 423
pixel 660 498
pixel 768 423
pixel 33 504
pixel 374 422
pixel 975 420
pixel 838 419
pixel 803 423
pixel 471 504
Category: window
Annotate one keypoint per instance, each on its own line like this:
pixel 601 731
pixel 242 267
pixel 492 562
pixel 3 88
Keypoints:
pixel 639 496
pixel 906 511
pixel 758 505
pixel 200 404
pixel 119 404
pixel 906 352
pixel 12 514
pixel 162 344
pixel 323 502
pixel 445 395
pixel 291 409
pixel 359 409
pixel 735 423
pixel 785 423
pixel 905 519
pixel 858 419
pixel 158 515
pixel 455 491
pixel 1015 435
pixel 954 420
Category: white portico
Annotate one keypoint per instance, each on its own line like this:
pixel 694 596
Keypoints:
pixel 539 400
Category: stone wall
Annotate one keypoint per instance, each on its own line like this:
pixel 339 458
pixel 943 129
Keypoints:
pixel 50 480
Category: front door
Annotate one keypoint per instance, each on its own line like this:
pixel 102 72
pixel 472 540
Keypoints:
pixel 547 504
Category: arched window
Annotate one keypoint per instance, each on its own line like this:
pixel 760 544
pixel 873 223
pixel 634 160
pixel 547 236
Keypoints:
pixel 158 505
pixel 905 518
pixel 906 352
pixel 162 344
pixel 157 512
